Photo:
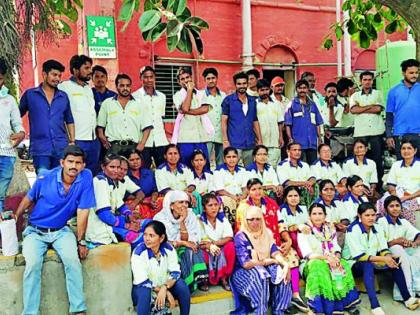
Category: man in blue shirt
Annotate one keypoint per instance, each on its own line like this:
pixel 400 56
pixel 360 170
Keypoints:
pixel 403 109
pixel 303 121
pixel 50 119
pixel 240 127
pixel 100 91
pixel 57 196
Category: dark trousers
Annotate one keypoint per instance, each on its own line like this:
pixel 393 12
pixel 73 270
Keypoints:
pixel 153 152
pixel 413 137
pixel 91 149
pixel 366 270
pixel 376 154
pixel 309 155
pixel 142 296
pixel 121 149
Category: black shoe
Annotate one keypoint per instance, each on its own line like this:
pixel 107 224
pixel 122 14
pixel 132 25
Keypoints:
pixel 300 305
pixel 353 311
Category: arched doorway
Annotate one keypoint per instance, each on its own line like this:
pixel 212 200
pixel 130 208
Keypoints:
pixel 281 54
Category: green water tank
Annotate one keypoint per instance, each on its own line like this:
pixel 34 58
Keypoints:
pixel 388 61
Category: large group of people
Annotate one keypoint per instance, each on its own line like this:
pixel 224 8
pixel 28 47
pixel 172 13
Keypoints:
pixel 252 192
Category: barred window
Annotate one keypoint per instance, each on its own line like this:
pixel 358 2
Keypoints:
pixel 166 83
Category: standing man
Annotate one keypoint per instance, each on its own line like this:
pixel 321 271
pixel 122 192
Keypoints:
pixel 11 134
pixel 345 88
pixel 100 91
pixel 316 97
pixel 270 117
pixel 153 104
pixel 367 106
pixel 192 133
pixel 303 122
pixel 253 77
pixel 278 85
pixel 57 196
pixel 123 124
pixel 240 127
pixel 82 105
pixel 50 119
pixel 403 109
pixel 213 97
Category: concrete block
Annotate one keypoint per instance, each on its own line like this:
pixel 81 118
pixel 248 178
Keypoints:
pixel 107 283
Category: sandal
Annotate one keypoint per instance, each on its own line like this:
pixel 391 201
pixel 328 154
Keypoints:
pixel 203 286
pixel 225 285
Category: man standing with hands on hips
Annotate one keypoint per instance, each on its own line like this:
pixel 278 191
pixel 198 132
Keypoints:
pixel 57 196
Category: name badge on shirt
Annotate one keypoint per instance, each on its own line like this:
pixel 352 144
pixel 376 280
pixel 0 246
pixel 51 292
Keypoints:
pixel 298 114
pixel 313 119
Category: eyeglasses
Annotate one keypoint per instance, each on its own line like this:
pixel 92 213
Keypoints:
pixel 253 219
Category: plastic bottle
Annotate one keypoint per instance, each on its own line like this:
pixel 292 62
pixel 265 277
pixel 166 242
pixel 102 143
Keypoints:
pixel 337 277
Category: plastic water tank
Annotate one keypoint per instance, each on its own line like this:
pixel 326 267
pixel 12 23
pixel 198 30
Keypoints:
pixel 388 61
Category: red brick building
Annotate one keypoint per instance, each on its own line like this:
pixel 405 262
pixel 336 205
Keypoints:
pixel 286 32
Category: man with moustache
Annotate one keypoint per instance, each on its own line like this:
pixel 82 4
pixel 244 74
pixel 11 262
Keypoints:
pixel 154 103
pixel 240 127
pixel 82 104
pixel 403 108
pixel 278 85
pixel 270 117
pixel 50 119
pixel 122 122
pixel 213 96
pixel 303 122
pixel 57 196
pixel 100 91
pixel 192 133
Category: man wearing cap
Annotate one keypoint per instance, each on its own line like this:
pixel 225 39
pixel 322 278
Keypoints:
pixel 155 103
pixel 57 196
pixel 278 85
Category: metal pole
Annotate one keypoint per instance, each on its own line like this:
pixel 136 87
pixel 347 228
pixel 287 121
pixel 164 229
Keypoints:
pixel 246 35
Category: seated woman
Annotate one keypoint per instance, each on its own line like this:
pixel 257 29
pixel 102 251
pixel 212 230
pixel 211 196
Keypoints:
pixel 216 242
pixel 330 287
pixel 367 247
pixel 351 201
pixel 404 181
pixel 363 167
pixel 203 179
pixel 403 241
pixel 184 234
pixel 150 203
pixel 261 274
pixel 326 168
pixel 292 219
pixel 173 175
pixel 264 172
pixel 111 215
pixel 229 182
pixel 156 274
pixel 294 172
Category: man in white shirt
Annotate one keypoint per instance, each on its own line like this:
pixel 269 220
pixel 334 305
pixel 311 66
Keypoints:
pixel 154 103
pixel 82 103
pixel 125 122
pixel 213 97
pixel 253 77
pixel 367 106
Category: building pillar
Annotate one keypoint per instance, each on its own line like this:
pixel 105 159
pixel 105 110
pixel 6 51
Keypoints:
pixel 247 54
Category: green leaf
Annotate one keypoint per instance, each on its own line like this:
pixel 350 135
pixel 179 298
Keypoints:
pixel 185 15
pixel 149 19
pixel 198 41
pixel 328 43
pixel 184 44
pixel 179 6
pixel 391 27
pixel 198 22
pixel 170 4
pixel 126 10
pixel 364 40
pixel 172 42
pixel 346 5
pixel 72 14
pixel 338 32
pixel 174 28
pixel 79 3
pixel 372 33
pixel 65 28
pixel 146 35
pixel 351 27
pixel 377 18
pixel 157 32
pixel 150 4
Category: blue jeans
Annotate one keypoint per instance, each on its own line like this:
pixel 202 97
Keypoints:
pixel 6 175
pixel 35 244
pixel 142 297
pixel 47 162
pixel 92 149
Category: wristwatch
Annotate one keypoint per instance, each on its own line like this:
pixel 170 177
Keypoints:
pixel 81 243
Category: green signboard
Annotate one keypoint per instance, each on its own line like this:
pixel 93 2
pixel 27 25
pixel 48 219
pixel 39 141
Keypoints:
pixel 101 37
